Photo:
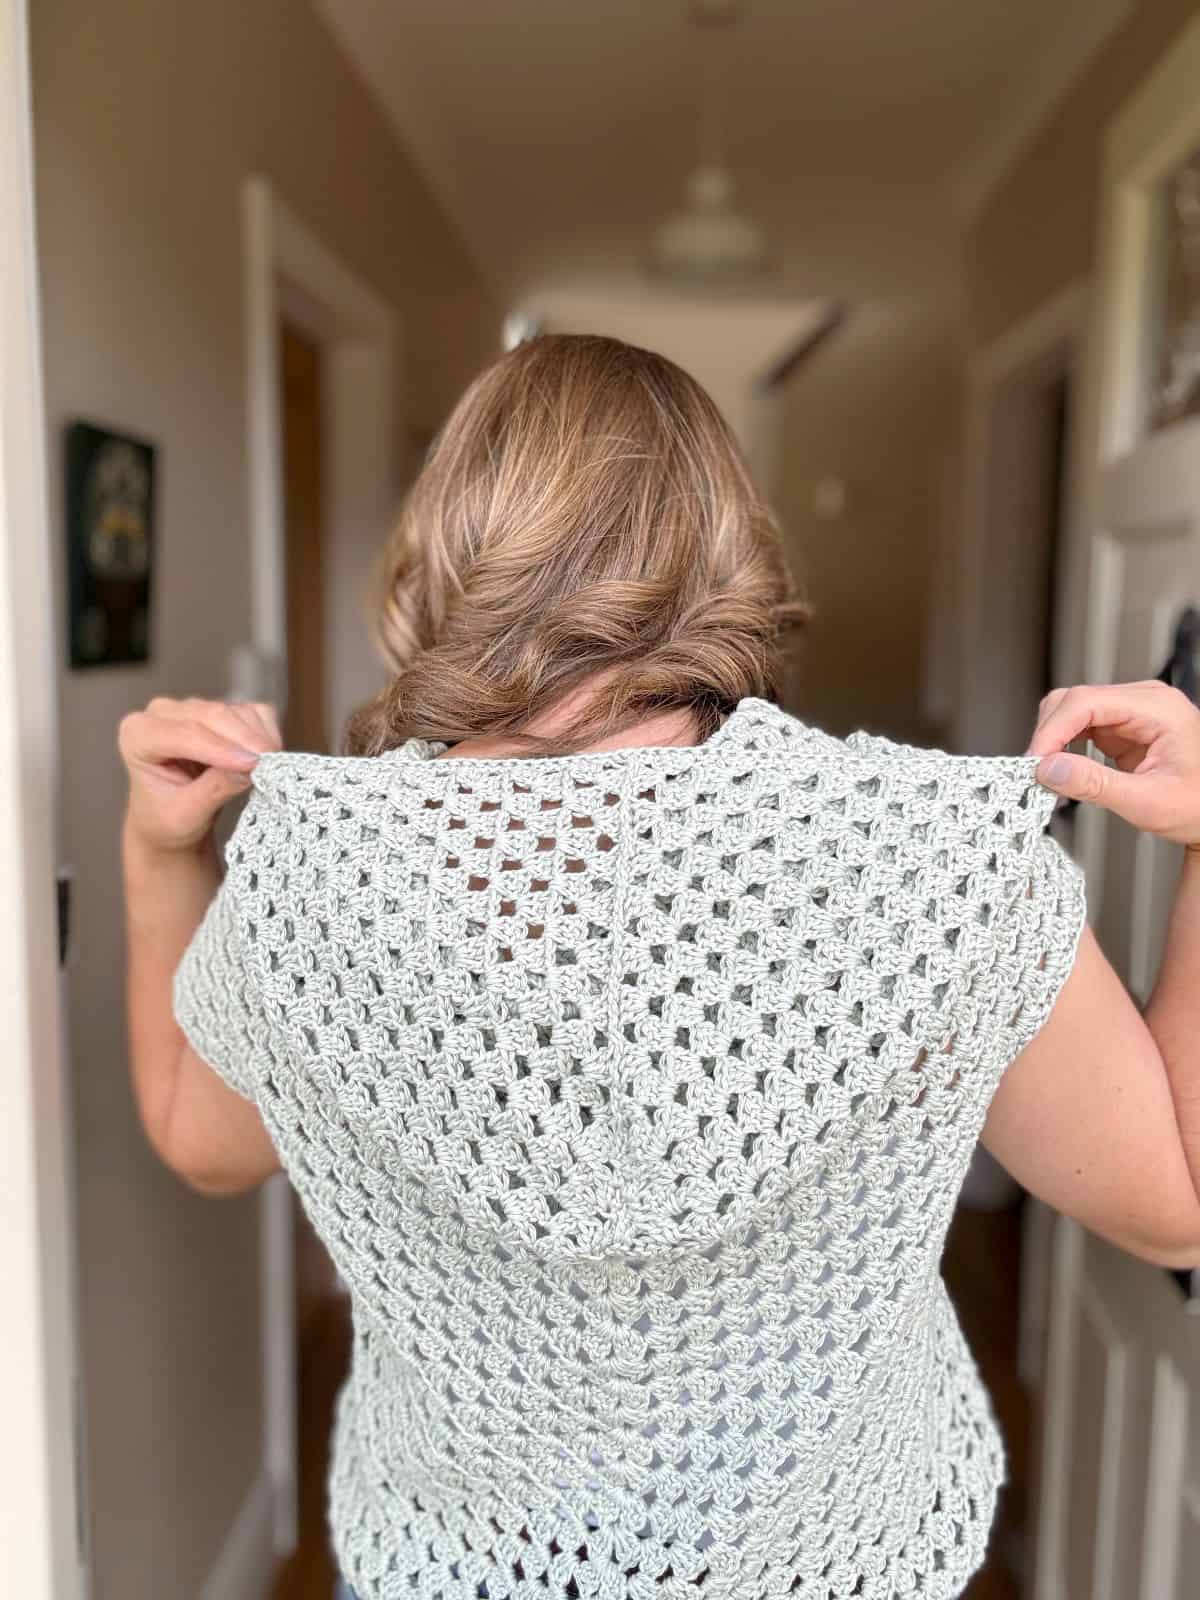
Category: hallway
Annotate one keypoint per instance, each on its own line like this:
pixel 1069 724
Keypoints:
pixel 865 233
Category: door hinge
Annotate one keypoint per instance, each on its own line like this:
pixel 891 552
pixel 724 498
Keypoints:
pixel 64 885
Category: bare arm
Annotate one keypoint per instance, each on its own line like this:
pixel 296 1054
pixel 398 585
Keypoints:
pixel 1100 1114
pixel 185 760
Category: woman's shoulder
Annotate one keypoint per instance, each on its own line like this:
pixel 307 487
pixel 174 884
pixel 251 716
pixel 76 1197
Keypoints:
pixel 763 756
pixel 890 786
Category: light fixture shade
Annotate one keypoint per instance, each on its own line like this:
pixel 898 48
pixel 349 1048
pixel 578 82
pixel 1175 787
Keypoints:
pixel 709 239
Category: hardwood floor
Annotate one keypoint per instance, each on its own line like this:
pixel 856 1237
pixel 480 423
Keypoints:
pixel 981 1268
pixel 309 1573
pixel 982 1271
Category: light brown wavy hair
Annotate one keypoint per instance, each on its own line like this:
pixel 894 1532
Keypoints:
pixel 585 509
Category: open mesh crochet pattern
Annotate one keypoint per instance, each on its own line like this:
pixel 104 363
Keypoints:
pixel 632 1093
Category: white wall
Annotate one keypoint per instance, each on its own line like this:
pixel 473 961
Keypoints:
pixel 147 118
pixel 876 410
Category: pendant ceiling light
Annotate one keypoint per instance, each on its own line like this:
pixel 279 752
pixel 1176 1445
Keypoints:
pixel 709 240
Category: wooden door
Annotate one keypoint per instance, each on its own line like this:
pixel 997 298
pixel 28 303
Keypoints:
pixel 300 411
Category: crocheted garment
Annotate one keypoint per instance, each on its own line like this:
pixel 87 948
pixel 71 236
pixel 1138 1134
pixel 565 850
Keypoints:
pixel 632 1092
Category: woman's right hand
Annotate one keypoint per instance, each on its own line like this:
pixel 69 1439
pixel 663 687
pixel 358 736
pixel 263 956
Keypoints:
pixel 186 759
pixel 1152 734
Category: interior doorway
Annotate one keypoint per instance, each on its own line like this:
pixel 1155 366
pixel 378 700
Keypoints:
pixel 322 377
pixel 1019 505
pixel 301 390
pixel 1019 490
pixel 322 1313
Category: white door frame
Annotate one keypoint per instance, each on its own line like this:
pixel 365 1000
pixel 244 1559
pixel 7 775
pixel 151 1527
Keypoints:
pixel 1052 334
pixel 288 270
pixel 41 1516
pixel 1155 128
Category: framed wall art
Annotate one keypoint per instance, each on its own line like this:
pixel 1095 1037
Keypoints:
pixel 110 497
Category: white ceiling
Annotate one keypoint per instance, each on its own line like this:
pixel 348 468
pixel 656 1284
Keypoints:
pixel 556 132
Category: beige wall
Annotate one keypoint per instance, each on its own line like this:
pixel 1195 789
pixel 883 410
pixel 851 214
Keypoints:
pixel 147 117
pixel 1037 233
pixel 874 409
pixel 1036 236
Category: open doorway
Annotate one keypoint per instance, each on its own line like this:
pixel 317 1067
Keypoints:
pixel 1025 507
pixel 322 389
pixel 1018 508
pixel 301 395
pixel 322 1311
pixel 1019 505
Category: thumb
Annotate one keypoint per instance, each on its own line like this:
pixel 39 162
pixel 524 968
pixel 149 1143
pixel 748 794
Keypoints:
pixel 207 794
pixel 214 786
pixel 1081 778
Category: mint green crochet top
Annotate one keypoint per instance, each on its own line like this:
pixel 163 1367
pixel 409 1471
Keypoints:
pixel 632 1092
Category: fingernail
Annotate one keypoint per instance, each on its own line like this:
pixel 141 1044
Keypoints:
pixel 249 755
pixel 1056 770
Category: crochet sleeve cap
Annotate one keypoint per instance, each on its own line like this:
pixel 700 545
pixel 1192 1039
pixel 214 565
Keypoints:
pixel 1041 936
pixel 1015 896
pixel 218 1002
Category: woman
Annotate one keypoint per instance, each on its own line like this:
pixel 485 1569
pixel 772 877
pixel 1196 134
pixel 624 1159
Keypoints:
pixel 627 1038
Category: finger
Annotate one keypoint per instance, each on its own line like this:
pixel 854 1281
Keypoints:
pixel 1057 705
pixel 197 804
pixel 262 717
pixel 259 717
pixel 190 710
pixel 172 710
pixel 1125 794
pixel 236 722
pixel 239 722
pixel 1134 709
pixel 1048 704
pixel 214 787
pixel 195 709
pixel 154 740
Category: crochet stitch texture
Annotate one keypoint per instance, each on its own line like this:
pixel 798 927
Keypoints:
pixel 631 1093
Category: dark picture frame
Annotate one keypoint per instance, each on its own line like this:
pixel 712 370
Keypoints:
pixel 110 516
